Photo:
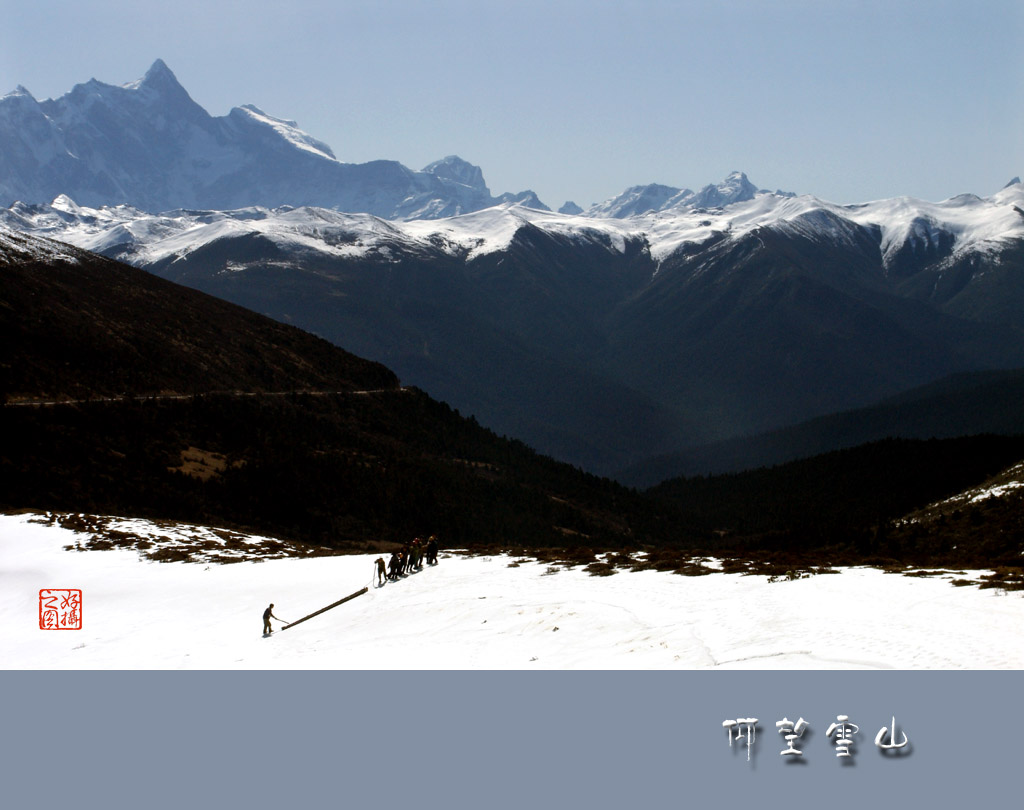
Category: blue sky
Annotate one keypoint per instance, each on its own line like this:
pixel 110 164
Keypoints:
pixel 850 101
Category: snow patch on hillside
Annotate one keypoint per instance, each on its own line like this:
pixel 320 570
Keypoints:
pixel 16 247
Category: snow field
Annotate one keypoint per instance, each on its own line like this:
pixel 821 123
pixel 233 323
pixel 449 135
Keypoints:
pixel 479 613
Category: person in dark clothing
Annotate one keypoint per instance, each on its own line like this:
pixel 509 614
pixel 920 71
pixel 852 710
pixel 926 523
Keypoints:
pixel 394 566
pixel 381 571
pixel 432 550
pixel 268 614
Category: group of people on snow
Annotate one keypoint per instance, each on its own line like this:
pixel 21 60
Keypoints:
pixel 407 559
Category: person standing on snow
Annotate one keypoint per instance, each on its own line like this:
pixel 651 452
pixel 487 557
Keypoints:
pixel 268 614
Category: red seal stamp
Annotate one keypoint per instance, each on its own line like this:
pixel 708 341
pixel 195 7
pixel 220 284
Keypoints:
pixel 60 609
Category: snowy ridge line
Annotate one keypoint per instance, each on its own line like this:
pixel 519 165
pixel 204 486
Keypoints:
pixel 972 223
pixel 170 152
pixel 287 130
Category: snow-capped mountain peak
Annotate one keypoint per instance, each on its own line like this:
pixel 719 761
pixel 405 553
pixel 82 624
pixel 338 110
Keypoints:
pixel 458 170
pixel 63 202
pixel 249 115
pixel 639 200
pixel 159 71
pixel 19 91
pixel 877 282
pixel 735 188
pixel 158 78
pixel 158 94
pixel 147 144
pixel 954 227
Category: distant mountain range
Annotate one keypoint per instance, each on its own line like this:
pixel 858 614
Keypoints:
pixel 149 145
pixel 606 341
pixel 148 399
pixel 655 323
pixel 736 188
pixel 968 404
pixel 122 393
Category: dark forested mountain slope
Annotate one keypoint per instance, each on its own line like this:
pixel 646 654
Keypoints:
pixel 283 434
pixel 964 404
pixel 606 341
pixel 278 431
pixel 76 326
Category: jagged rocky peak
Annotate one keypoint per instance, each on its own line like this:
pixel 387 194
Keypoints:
pixel 570 208
pixel 639 200
pixel 159 72
pixel 735 188
pixel 526 198
pixel 17 104
pixel 458 170
pixel 19 91
pixel 736 180
pixel 1015 181
pixel 159 80
pixel 157 96
pixel 148 144
pixel 162 83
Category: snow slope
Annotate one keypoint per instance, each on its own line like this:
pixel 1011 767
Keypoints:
pixel 477 613
pixel 14 246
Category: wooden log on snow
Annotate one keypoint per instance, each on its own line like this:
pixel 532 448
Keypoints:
pixel 322 610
